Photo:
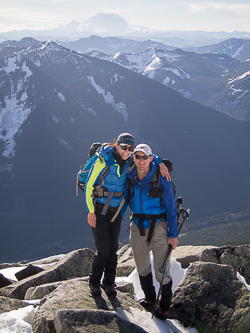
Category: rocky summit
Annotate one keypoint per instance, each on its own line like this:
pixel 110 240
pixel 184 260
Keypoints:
pixel 211 295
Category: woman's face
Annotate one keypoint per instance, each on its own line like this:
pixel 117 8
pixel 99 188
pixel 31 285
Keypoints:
pixel 125 151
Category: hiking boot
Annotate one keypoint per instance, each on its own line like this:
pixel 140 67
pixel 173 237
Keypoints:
pixel 109 289
pixel 160 314
pixel 148 305
pixel 95 290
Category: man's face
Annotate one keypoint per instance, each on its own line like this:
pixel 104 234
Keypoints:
pixel 142 164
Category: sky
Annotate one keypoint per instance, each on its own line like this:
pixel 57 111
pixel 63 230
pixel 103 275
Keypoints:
pixel 190 15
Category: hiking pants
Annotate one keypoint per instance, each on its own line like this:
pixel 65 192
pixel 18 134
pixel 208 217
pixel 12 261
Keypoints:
pixel 106 236
pixel 159 246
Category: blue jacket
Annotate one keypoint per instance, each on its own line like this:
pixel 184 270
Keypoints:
pixel 114 181
pixel 141 203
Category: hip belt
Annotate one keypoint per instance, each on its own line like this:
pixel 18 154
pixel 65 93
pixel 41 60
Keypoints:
pixel 153 219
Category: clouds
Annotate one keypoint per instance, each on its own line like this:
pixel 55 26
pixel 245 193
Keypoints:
pixel 227 15
pixel 236 8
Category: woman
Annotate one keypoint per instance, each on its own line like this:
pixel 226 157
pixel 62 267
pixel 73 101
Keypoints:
pixel 104 211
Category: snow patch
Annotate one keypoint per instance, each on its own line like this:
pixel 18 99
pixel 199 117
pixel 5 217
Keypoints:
pixel 240 77
pixel 61 96
pixel 243 280
pixel 55 119
pixel 186 94
pixel 166 80
pixel 7 167
pixel 109 99
pixel 17 320
pixel 15 109
pixel 116 78
pixel 12 116
pixel 63 143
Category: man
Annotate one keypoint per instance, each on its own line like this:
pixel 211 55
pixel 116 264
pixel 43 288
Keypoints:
pixel 154 221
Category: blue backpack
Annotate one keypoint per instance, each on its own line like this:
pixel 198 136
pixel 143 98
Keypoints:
pixel 82 174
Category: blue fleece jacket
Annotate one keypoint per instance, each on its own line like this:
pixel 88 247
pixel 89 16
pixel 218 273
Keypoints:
pixel 142 203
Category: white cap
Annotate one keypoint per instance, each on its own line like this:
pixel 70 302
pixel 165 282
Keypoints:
pixel 144 148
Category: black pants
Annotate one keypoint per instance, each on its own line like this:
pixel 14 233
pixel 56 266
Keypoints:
pixel 106 235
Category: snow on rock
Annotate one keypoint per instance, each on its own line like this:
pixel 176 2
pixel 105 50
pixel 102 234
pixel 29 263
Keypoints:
pixel 15 109
pixel 109 99
pixel 17 320
pixel 61 96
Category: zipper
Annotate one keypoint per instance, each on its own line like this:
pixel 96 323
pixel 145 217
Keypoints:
pixel 140 198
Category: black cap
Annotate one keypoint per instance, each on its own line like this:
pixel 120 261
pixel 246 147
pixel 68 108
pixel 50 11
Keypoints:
pixel 126 139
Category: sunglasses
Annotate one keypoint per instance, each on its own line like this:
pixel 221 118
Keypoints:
pixel 138 157
pixel 124 147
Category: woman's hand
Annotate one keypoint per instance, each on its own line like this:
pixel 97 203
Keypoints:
pixel 92 219
pixel 164 171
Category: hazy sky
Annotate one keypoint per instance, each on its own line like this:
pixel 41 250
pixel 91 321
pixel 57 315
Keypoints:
pixel 224 15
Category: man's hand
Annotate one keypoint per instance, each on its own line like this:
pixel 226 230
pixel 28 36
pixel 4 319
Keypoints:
pixel 173 241
pixel 164 171
pixel 92 219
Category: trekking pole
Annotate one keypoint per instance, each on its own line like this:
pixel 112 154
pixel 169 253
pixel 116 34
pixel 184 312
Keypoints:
pixel 185 216
pixel 179 203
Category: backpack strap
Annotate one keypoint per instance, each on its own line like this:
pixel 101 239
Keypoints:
pixel 153 219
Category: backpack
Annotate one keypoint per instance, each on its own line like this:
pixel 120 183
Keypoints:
pixel 99 190
pixel 156 191
pixel 82 174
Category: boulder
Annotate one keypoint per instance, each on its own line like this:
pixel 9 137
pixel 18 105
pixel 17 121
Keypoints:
pixel 188 254
pixel 73 321
pixel 126 287
pixel 236 256
pixel 28 271
pixel 46 261
pixel 239 258
pixel 75 264
pixel 78 307
pixel 4 281
pixel 211 296
pixel 8 304
pixel 40 291
pixel 126 262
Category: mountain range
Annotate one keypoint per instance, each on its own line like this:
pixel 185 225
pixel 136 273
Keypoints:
pixel 54 102
pixel 113 25
pixel 219 80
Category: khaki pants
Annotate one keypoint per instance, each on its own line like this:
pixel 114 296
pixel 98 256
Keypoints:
pixel 159 247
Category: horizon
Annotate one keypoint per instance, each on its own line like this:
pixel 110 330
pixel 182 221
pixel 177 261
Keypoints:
pixel 163 15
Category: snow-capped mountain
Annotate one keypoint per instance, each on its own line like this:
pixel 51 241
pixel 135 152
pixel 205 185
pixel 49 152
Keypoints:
pixel 101 24
pixel 113 25
pixel 10 47
pixel 202 77
pixel 105 24
pixel 55 102
pixel 234 47
pixel 233 94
